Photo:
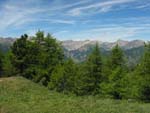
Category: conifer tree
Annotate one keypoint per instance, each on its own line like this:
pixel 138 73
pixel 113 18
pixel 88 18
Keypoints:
pixel 143 72
pixel 19 51
pixel 91 75
pixel 144 66
pixel 117 72
pixel 36 58
pixel 116 58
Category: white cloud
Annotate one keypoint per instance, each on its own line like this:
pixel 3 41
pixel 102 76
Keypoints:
pixel 14 14
pixel 102 6
pixel 108 33
pixel 62 21
pixel 71 5
pixel 143 6
pixel 17 13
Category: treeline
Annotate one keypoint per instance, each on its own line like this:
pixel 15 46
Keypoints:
pixel 41 59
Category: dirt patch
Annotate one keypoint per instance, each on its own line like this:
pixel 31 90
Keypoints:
pixel 7 79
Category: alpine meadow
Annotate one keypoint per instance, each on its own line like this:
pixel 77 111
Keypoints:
pixel 78 56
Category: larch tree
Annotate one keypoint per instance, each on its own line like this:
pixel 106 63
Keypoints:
pixel 91 74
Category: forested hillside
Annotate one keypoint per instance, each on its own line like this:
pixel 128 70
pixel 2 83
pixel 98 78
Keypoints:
pixel 74 56
pixel 42 60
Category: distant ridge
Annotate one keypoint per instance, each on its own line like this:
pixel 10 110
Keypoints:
pixel 74 45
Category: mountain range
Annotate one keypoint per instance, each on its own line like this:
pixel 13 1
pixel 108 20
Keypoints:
pixel 78 50
pixel 71 45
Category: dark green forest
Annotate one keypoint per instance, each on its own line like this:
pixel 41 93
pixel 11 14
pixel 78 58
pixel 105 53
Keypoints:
pixel 41 59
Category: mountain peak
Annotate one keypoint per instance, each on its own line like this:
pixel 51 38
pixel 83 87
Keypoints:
pixel 121 42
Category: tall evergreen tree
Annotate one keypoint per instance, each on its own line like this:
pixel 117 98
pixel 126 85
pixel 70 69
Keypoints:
pixel 52 55
pixel 19 51
pixel 143 72
pixel 117 72
pixel 91 77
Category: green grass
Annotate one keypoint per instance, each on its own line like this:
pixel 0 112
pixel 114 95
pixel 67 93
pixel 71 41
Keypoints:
pixel 18 95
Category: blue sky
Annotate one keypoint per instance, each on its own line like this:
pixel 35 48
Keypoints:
pixel 104 20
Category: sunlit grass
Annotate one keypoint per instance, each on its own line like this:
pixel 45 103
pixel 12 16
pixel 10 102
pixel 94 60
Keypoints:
pixel 18 95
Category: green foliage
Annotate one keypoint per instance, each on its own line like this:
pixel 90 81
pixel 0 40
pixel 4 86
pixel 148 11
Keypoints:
pixel 139 79
pixel 145 90
pixel 117 83
pixel 143 72
pixel 19 50
pixel 53 53
pixel 36 58
pixel 41 59
pixel 63 76
pixel 8 68
pixel 116 73
pixel 18 95
pixel 89 80
pixel 144 66
pixel 116 58
pixel 1 63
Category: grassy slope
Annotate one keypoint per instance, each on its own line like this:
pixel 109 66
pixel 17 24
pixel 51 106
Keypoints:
pixel 18 95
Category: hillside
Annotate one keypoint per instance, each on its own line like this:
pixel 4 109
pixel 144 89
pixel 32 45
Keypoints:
pixel 18 95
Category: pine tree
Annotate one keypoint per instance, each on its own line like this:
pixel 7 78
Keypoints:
pixel 52 55
pixel 117 73
pixel 25 57
pixel 116 58
pixel 143 72
pixel 90 76
pixel 19 51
